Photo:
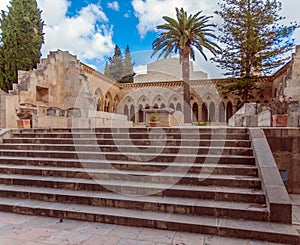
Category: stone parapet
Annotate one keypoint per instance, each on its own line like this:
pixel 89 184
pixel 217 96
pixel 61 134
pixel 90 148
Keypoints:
pixel 277 198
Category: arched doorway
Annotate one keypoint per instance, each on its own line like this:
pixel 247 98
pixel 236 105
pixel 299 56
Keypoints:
pixel 132 113
pixel 212 112
pixel 195 112
pixel 229 111
pixel 204 113
pixel 141 114
pixel 222 112
pixel 126 111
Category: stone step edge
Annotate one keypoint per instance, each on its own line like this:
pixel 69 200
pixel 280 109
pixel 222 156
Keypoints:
pixel 211 147
pixel 87 161
pixel 129 153
pixel 144 174
pixel 257 230
pixel 145 199
pixel 94 169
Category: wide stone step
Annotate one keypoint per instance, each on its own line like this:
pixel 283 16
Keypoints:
pixel 143 130
pixel 131 156
pixel 249 211
pixel 92 183
pixel 41 167
pixel 132 148
pixel 218 193
pixel 257 230
pixel 88 141
pixel 134 136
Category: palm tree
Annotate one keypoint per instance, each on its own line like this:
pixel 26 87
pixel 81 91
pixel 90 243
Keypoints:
pixel 181 35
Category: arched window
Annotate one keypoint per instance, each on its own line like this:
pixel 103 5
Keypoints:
pixel 178 107
pixel 162 106
pixel 229 111
pixel 155 106
pixel 222 112
pixel 195 112
pixel 172 106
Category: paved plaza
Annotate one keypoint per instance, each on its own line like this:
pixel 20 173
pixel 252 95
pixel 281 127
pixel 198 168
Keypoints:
pixel 18 229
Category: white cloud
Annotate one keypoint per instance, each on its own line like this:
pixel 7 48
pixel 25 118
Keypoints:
pixel 140 69
pixel 3 4
pixel 86 34
pixel 113 5
pixel 150 12
pixel 80 34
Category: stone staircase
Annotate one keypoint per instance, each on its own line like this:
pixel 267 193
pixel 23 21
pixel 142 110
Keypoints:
pixel 201 180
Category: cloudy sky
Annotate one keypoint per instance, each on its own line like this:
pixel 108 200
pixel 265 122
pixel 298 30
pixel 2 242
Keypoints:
pixel 91 28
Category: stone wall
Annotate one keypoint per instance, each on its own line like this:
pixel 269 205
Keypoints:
pixel 285 145
pixel 8 106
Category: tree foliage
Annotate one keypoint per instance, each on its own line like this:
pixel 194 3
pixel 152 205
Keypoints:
pixel 120 68
pixel 255 41
pixel 21 40
pixel 182 35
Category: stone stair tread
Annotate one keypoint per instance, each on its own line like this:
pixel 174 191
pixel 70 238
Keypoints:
pixel 145 199
pixel 214 141
pixel 130 146
pixel 113 183
pixel 219 223
pixel 207 163
pixel 111 163
pixel 147 174
pixel 162 186
pixel 130 153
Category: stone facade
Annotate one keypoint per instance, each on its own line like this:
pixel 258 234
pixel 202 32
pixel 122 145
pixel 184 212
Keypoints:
pixel 62 88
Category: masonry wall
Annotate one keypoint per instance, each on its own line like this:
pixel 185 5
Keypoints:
pixel 285 145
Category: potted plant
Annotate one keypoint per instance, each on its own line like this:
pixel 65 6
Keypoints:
pixel 153 120
pixel 279 110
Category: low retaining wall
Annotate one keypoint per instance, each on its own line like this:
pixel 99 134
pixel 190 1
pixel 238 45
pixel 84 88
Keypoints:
pixel 277 198
pixel 285 146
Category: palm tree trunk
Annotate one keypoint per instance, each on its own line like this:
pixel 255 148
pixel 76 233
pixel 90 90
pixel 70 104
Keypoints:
pixel 186 86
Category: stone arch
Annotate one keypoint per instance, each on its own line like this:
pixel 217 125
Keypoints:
pixel 158 100
pixel 172 106
pixel 178 107
pixel 143 100
pixel 173 103
pixel 129 108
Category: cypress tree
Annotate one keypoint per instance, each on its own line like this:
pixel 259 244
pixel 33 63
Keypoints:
pixel 21 40
pixel 128 73
pixel 116 65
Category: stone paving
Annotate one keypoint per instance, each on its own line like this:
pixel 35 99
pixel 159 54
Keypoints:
pixel 16 229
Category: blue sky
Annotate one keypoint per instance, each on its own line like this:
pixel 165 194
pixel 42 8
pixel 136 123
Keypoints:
pixel 90 29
